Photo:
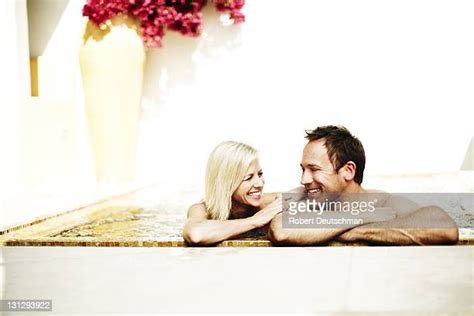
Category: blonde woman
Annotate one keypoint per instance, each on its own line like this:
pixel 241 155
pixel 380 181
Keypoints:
pixel 234 202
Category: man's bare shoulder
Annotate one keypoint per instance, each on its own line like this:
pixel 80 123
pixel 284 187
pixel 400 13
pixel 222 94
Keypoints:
pixel 374 191
pixel 399 203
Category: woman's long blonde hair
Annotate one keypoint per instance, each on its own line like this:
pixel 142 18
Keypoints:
pixel 226 167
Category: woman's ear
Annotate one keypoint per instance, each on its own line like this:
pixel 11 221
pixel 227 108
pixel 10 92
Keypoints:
pixel 349 170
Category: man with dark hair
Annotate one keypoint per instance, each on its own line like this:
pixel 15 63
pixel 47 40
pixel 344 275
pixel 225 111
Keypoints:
pixel 333 162
pixel 342 147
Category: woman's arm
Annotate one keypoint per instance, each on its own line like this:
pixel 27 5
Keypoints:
pixel 199 230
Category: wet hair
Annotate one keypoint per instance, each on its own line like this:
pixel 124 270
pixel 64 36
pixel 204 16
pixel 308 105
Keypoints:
pixel 341 146
pixel 226 167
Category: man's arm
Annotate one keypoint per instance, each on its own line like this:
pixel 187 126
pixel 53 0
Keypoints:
pixel 317 236
pixel 425 226
pixel 301 236
pixel 408 225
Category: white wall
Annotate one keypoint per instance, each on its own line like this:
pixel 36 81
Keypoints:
pixel 14 55
pixel 14 88
pixel 397 73
pixel 43 153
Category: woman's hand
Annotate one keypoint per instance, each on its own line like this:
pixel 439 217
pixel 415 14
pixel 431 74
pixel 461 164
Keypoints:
pixel 266 214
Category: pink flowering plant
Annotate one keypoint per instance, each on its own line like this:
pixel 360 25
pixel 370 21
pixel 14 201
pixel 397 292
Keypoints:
pixel 156 16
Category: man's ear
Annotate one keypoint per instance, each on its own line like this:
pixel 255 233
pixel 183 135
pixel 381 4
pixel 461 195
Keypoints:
pixel 349 170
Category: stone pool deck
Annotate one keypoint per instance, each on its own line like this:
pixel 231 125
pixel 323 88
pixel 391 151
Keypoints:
pixel 130 220
pixel 310 280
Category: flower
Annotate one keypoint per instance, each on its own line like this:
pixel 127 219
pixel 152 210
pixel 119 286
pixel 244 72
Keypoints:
pixel 155 16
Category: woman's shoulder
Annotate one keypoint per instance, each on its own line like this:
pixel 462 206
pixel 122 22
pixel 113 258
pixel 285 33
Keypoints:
pixel 198 210
pixel 198 205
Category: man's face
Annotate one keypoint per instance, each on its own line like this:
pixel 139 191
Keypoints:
pixel 318 172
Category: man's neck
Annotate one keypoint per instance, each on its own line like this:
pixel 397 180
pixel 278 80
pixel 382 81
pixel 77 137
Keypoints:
pixel 354 187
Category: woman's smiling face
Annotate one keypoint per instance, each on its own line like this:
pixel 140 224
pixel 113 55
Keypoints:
pixel 250 189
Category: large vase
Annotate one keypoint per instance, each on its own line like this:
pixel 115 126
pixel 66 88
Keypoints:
pixel 112 60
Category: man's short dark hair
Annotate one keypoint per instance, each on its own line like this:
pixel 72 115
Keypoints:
pixel 342 147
